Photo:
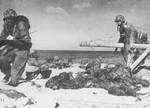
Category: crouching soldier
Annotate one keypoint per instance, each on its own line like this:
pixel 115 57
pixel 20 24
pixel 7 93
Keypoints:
pixel 15 52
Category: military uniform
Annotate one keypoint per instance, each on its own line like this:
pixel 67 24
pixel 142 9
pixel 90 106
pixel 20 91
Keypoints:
pixel 129 34
pixel 16 52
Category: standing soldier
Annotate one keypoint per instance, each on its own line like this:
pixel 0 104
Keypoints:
pixel 122 28
pixel 129 35
pixel 15 52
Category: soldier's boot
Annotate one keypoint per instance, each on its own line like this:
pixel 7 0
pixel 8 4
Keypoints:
pixel 15 77
pixel 17 68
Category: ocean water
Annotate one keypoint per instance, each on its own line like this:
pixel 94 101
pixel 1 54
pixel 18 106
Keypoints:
pixel 108 56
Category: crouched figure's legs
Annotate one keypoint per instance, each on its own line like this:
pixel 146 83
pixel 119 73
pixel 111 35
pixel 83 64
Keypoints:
pixel 5 67
pixel 18 66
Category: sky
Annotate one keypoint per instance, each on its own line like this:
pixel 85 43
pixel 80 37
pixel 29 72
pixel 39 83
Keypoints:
pixel 63 24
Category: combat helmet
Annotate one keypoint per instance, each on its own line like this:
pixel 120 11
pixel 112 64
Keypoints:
pixel 9 13
pixel 120 18
pixel 144 37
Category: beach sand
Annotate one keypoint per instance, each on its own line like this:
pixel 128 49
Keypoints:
pixel 37 96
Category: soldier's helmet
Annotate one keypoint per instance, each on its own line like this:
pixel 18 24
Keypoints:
pixel 144 37
pixel 9 13
pixel 120 18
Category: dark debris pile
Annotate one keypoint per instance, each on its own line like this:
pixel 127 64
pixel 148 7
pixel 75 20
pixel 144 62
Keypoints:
pixel 116 80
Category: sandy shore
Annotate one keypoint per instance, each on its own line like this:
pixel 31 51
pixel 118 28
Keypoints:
pixel 37 96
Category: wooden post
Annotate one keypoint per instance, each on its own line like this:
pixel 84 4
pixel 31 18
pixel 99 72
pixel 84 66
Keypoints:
pixel 113 45
pixel 140 59
pixel 109 45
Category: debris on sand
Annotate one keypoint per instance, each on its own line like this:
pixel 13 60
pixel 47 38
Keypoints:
pixel 32 75
pixel 12 93
pixel 62 81
pixel 42 67
pixel 116 80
